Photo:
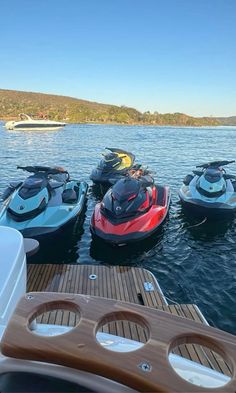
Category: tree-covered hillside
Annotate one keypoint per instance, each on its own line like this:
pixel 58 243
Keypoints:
pixel 227 121
pixel 73 110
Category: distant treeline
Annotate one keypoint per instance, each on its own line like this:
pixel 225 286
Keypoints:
pixel 74 110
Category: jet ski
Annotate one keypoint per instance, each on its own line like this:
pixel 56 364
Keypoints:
pixel 132 210
pixel 114 165
pixel 43 203
pixel 210 190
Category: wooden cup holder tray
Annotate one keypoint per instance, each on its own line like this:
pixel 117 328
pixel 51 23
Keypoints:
pixel 80 350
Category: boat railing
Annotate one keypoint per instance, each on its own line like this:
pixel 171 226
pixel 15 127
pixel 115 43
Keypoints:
pixel 145 369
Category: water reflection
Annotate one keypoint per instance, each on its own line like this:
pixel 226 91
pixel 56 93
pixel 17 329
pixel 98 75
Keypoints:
pixel 133 254
pixel 98 191
pixel 206 228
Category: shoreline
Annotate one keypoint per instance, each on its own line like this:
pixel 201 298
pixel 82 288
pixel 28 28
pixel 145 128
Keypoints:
pixel 138 124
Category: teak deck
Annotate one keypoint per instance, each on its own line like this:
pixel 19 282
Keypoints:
pixel 121 283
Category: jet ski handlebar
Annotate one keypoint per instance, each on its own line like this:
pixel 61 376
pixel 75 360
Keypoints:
pixel 215 164
pixel 47 170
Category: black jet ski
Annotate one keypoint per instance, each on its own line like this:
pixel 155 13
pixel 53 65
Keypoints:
pixel 114 165
pixel 132 210
pixel 209 191
pixel 43 203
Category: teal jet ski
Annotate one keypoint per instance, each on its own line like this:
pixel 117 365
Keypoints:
pixel 210 191
pixel 43 203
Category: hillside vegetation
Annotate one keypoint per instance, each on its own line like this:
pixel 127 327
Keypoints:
pixel 73 110
pixel 227 121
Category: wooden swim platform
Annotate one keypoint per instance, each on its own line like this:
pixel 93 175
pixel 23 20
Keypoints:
pixel 131 284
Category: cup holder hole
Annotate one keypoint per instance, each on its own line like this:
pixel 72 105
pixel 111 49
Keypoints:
pixel 54 319
pixel 122 334
pixel 200 365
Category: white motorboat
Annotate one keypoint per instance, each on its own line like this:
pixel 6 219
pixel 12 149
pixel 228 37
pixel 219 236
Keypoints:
pixel 38 357
pixel 27 123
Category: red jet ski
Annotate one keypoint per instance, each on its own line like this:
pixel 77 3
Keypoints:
pixel 133 209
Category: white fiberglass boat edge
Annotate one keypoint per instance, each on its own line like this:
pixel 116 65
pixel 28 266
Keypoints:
pixel 27 123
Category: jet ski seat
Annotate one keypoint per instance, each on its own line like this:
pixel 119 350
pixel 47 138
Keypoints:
pixel 69 196
pixel 56 184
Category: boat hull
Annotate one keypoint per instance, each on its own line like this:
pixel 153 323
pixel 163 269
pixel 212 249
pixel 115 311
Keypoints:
pixel 39 125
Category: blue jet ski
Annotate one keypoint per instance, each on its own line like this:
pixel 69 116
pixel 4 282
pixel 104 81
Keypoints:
pixel 210 191
pixel 43 203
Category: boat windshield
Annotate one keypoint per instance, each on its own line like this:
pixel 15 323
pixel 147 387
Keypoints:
pixel 23 116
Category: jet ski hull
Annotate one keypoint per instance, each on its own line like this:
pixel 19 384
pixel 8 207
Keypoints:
pixel 52 220
pixel 207 209
pixel 41 233
pixel 135 229
pixel 210 193
pixel 198 204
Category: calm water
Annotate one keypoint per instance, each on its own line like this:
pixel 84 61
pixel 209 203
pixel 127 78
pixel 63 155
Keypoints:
pixel 193 263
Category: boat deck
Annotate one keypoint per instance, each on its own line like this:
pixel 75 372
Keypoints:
pixel 129 284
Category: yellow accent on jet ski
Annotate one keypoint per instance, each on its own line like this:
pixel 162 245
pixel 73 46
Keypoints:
pixel 126 161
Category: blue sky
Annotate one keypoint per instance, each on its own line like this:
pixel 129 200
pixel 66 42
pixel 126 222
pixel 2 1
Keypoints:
pixel 157 55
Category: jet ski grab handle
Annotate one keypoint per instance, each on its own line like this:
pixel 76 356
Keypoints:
pixel 215 164
pixel 47 170
pixel 146 369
